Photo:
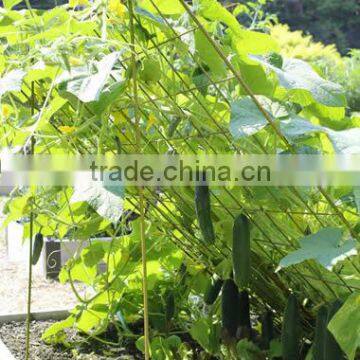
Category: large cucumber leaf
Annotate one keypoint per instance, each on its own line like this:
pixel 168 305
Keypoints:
pixel 326 247
pixel 304 84
pixel 88 82
pixel 104 200
pixel 345 325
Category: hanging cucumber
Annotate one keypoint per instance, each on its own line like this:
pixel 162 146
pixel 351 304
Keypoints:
pixel 267 329
pixel 319 351
pixel 212 291
pixel 290 337
pixel 244 309
pixel 241 251
pixel 169 306
pixel 37 248
pixel 244 322
pixel 332 348
pixel 229 308
pixel 203 212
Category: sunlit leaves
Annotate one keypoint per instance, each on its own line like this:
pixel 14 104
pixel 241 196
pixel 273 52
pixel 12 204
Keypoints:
pixel 169 7
pixel 87 82
pixel 106 203
pixel 55 333
pixel 325 246
pixel 208 54
pixel 11 3
pixel 297 75
pixel 117 8
pixel 11 81
pixel 247 119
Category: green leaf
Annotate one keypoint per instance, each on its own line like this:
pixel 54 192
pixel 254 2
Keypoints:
pixel 213 10
pixel 55 333
pixel 9 4
pixel 151 70
pixel 11 81
pixel 168 7
pixel 246 350
pixel 325 247
pixel 78 271
pixel 88 82
pixel 345 325
pixel 90 320
pixel 104 202
pixel 247 42
pixel 297 75
pixel 207 334
pixel 208 54
pixel 356 193
pixel 344 142
pixel 93 254
pixel 275 350
pixel 247 119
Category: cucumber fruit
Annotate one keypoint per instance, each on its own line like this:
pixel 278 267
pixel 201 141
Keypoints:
pixel 319 350
pixel 212 291
pixel 203 212
pixel 244 323
pixel 244 309
pixel 229 308
pixel 267 329
pixel 333 350
pixel 241 251
pixel 290 336
pixel 169 305
pixel 37 248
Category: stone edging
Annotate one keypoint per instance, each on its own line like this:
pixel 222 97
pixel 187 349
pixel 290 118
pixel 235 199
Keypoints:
pixel 5 353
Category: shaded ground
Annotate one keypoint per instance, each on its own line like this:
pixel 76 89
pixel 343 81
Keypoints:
pixel 13 335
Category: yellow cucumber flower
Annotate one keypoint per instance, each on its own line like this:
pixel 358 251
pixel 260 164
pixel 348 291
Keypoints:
pixel 67 130
pixel 117 8
pixel 75 61
pixel 151 121
pixel 6 110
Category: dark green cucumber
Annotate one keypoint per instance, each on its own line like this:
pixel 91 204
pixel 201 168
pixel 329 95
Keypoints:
pixel 319 351
pixel 212 291
pixel 244 309
pixel 169 305
pixel 332 348
pixel 229 308
pixel 37 247
pixel 203 212
pixel 290 336
pixel 267 329
pixel 241 251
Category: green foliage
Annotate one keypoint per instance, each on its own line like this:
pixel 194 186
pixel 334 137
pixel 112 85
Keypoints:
pixel 241 253
pixel 78 63
pixel 325 246
pixel 347 318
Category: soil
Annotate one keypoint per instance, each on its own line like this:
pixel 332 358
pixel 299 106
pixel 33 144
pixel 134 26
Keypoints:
pixel 13 336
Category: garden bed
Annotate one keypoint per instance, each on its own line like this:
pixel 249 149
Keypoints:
pixel 13 336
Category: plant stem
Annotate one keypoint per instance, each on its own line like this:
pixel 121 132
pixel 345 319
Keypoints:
pixel 28 318
pixel 141 190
